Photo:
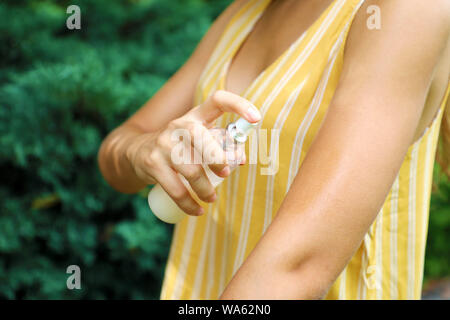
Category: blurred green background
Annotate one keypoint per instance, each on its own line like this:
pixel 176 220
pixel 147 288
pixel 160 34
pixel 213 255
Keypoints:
pixel 61 92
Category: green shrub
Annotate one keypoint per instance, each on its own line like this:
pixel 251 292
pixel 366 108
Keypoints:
pixel 61 92
pixel 437 257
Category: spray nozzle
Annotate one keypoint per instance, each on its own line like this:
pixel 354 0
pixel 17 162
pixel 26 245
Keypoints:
pixel 240 129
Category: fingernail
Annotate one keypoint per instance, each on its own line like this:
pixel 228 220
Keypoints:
pixel 225 171
pixel 253 113
pixel 200 211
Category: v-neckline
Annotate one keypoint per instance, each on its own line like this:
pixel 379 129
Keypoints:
pixel 227 64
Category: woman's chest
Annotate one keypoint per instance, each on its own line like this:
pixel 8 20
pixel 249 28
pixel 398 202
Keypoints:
pixel 278 28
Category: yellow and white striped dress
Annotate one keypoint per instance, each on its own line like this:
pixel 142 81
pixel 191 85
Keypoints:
pixel 293 95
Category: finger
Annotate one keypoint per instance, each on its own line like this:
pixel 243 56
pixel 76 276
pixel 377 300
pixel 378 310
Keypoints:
pixel 198 180
pixel 172 184
pixel 206 144
pixel 223 101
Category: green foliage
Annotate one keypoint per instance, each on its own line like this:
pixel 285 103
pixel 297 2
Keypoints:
pixel 61 92
pixel 437 258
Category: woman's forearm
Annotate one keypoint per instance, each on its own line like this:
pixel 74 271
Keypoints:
pixel 113 159
pixel 296 258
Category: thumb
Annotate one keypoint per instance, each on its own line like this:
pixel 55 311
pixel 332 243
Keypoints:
pixel 223 101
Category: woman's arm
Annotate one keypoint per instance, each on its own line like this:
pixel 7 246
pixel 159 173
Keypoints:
pixel 355 157
pixel 173 100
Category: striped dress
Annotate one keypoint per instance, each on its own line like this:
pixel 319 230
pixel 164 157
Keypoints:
pixel 293 95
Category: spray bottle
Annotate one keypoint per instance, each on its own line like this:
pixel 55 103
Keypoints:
pixel 232 139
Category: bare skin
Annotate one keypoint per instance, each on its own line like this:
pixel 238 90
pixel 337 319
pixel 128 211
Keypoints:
pixel 386 97
pixel 388 94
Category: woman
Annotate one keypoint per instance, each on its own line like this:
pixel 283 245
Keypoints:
pixel 358 108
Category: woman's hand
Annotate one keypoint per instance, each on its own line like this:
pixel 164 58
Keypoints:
pixel 156 113
pixel 151 154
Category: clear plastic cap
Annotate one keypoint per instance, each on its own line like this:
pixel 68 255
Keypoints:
pixel 240 129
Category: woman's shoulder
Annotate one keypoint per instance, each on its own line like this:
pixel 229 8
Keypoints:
pixel 410 22
pixel 397 58
pixel 413 14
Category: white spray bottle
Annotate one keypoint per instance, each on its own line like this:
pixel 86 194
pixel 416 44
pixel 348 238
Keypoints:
pixel 233 140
